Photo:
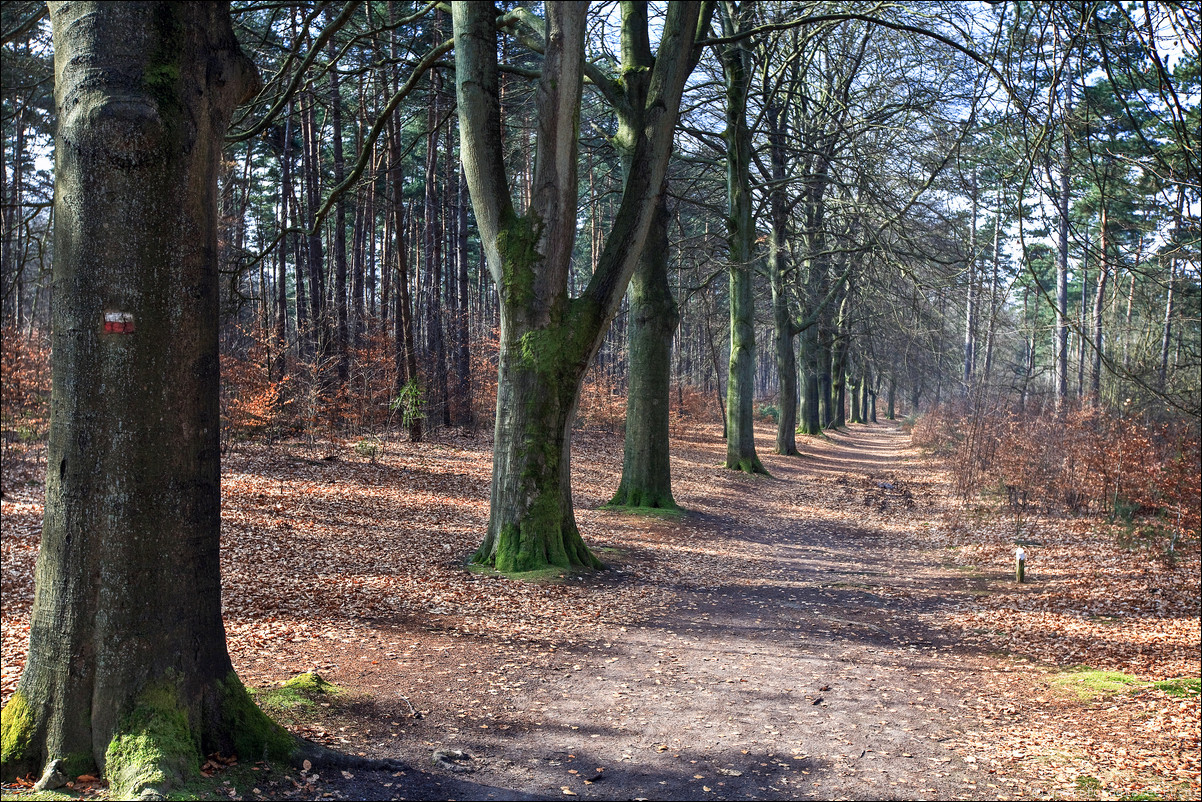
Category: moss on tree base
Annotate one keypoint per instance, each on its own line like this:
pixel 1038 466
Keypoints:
pixel 635 503
pixel 637 500
pixel 155 748
pixel 525 549
pixel 16 738
pixel 300 692
pixel 254 736
pixel 748 465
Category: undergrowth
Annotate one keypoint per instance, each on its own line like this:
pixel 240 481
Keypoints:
pixel 1139 475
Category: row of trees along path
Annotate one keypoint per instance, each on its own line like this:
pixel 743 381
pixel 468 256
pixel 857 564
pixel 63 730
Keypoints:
pixel 128 668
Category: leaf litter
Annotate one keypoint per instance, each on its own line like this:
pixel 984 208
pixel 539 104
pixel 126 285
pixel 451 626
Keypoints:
pixel 686 662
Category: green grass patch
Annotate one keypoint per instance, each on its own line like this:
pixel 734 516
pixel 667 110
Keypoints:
pixel 664 513
pixel 1088 682
pixel 1182 688
pixel 301 693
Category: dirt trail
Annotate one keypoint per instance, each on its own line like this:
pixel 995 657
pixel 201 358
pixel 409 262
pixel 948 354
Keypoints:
pixel 795 661
pixel 785 638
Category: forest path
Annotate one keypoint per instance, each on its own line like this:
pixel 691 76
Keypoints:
pixel 791 654
pixel 784 638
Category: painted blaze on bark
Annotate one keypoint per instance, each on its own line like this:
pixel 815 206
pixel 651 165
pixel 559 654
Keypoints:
pixel 128 669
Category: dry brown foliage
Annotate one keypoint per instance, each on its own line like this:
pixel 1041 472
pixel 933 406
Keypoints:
pixel 1087 460
pixel 24 384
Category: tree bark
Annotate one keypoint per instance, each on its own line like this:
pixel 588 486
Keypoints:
pixel 646 467
pixel 463 357
pixel 811 414
pixel 281 288
pixel 784 328
pixel 128 669
pixel 654 316
pixel 432 257
pixel 406 350
pixel 970 300
pixel 1061 334
pixel 314 257
pixel 1099 306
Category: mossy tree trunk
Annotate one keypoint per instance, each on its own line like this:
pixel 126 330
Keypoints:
pixel 823 358
pixel 548 339
pixel 839 370
pixel 533 525
pixel 646 466
pixel 740 386
pixel 786 366
pixel 128 670
pixel 856 386
pixel 784 327
pixel 811 418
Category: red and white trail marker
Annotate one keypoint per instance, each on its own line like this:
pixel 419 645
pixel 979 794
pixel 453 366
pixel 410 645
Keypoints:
pixel 118 323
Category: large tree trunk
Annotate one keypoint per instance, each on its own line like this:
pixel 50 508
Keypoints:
pixel 856 391
pixel 547 338
pixel 1060 344
pixel 646 468
pixel 784 327
pixel 1099 302
pixel 786 368
pixel 811 414
pixel 824 359
pixel 432 258
pixel 314 256
pixel 406 352
pixel 740 385
pixel 128 669
pixel 839 367
pixel 654 316
pixel 281 286
pixel 970 300
pixel 533 524
pixel 340 313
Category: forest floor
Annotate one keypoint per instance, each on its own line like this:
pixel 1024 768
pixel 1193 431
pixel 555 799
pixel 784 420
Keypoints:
pixel 843 629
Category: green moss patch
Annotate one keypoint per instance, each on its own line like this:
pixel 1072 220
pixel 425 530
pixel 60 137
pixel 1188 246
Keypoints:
pixel 16 736
pixel 1088 682
pixel 154 748
pixel 254 735
pixel 551 575
pixel 300 692
pixel 1181 688
pixel 672 513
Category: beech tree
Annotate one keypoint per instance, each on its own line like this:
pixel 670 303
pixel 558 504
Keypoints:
pixel 646 468
pixel 547 337
pixel 740 236
pixel 128 670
